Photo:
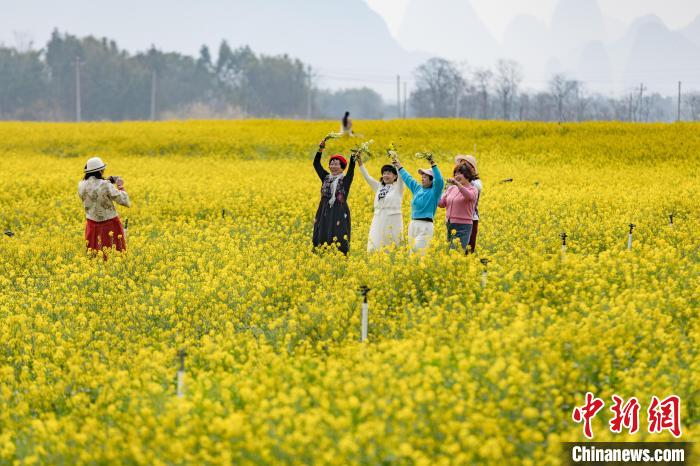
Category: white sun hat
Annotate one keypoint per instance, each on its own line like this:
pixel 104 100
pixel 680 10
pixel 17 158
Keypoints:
pixel 94 164
pixel 426 171
pixel 470 159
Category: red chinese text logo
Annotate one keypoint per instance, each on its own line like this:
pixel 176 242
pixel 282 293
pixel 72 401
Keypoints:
pixel 665 415
pixel 587 412
pixel 662 415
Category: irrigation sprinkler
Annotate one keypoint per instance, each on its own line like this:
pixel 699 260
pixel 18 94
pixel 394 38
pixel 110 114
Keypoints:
pixel 223 213
pixel 484 273
pixel 181 374
pixel 670 220
pixel 629 238
pixel 365 313
pixel 563 237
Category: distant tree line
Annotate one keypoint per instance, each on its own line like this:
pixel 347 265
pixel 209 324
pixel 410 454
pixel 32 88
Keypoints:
pixel 445 89
pixel 116 85
pixel 238 83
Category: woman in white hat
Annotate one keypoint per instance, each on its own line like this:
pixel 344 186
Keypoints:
pixel 103 228
pixel 476 182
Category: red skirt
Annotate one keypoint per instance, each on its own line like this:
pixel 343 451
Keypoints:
pixel 99 235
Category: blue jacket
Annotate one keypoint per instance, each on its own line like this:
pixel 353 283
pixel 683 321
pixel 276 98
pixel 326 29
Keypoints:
pixel 425 200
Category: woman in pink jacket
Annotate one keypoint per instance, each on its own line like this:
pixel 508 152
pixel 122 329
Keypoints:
pixel 459 200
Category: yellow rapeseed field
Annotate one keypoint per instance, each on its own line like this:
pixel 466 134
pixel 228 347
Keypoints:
pixel 220 265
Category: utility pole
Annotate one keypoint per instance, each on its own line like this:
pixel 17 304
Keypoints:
pixel 641 102
pixel 679 101
pixel 629 106
pixel 154 87
pixel 405 92
pixel 398 95
pixel 78 110
pixel 308 93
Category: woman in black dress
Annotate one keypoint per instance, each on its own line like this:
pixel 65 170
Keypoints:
pixel 332 222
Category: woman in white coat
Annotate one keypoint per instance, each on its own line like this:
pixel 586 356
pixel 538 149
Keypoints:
pixel 387 224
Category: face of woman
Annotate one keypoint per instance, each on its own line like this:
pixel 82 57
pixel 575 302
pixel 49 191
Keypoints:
pixel 461 178
pixel 388 177
pixel 426 180
pixel 334 167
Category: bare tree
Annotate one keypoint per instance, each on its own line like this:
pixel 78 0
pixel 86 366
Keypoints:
pixel 692 106
pixel 581 102
pixel 562 90
pixel 600 108
pixel 542 106
pixel 482 79
pixel 509 75
pixel 462 89
pixel 24 41
pixel 524 107
pixel 439 86
pixel 638 106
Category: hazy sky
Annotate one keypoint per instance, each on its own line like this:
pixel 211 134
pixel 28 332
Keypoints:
pixel 498 13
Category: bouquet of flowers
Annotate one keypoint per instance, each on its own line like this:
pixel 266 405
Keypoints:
pixel 332 136
pixel 392 152
pixel 425 156
pixel 363 151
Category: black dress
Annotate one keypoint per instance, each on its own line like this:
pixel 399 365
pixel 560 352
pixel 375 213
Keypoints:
pixel 332 223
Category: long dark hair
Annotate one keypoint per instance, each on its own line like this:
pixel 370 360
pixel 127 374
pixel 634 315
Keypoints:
pixel 345 119
pixel 97 174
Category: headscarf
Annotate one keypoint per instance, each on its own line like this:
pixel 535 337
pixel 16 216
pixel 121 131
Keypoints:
pixel 330 187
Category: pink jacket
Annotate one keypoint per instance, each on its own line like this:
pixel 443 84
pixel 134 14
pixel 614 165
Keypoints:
pixel 459 201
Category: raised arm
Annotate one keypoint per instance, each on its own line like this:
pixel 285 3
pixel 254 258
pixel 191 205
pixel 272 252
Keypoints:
pixel 469 192
pixel 322 174
pixel 118 195
pixel 400 185
pixel 439 181
pixel 408 179
pixel 347 179
pixel 374 184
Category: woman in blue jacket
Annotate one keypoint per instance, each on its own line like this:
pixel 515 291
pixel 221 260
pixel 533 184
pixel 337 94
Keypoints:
pixel 426 196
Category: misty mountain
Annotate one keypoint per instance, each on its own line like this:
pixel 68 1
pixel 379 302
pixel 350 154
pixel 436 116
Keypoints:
pixel 526 40
pixel 692 31
pixel 574 23
pixel 621 47
pixel 660 57
pixel 615 28
pixel 449 28
pixel 574 43
pixel 646 52
pixel 594 66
